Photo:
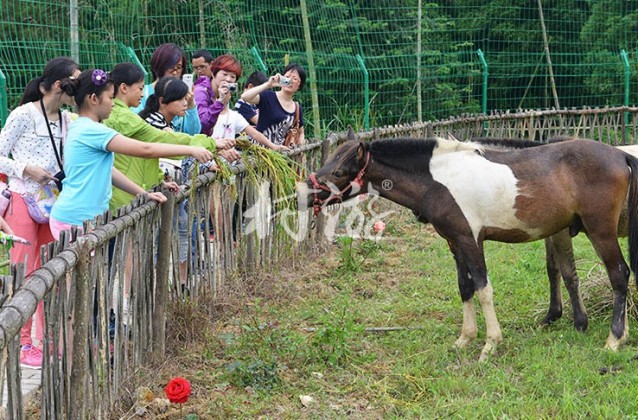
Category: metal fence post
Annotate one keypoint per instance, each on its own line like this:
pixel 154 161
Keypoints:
pixel 133 57
pixel 625 61
pixel 257 56
pixel 74 31
pixel 4 101
pixel 366 92
pixel 484 90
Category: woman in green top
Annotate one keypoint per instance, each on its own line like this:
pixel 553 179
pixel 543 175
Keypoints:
pixel 129 83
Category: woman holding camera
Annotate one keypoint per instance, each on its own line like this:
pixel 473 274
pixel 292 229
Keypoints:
pixel 279 113
pixel 33 136
pixel 213 94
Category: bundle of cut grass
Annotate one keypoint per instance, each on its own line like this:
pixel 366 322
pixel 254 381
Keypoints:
pixel 597 294
pixel 281 171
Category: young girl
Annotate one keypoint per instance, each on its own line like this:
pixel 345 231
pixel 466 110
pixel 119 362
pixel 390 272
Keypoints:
pixel 128 79
pixel 89 154
pixel 33 134
pixel 169 101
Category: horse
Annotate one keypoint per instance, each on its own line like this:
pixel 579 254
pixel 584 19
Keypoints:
pixel 471 194
pixel 561 262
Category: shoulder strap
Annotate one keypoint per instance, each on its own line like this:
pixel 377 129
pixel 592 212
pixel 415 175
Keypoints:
pixel 46 120
pixel 295 122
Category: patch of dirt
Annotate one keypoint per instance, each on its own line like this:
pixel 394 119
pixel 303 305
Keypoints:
pixel 196 351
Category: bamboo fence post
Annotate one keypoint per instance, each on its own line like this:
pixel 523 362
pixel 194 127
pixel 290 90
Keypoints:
pixel 81 339
pixel 250 258
pixel 14 376
pixel 163 269
pixel 321 219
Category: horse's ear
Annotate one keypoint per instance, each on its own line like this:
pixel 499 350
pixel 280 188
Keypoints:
pixel 351 134
pixel 362 149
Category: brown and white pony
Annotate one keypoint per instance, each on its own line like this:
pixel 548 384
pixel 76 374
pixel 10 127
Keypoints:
pixel 471 194
pixel 558 248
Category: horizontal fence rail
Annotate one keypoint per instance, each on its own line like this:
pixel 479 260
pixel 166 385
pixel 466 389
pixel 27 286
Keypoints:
pixel 105 292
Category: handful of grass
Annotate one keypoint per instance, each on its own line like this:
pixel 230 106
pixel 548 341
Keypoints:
pixel 279 169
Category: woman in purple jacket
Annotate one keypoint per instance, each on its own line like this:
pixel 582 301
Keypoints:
pixel 213 94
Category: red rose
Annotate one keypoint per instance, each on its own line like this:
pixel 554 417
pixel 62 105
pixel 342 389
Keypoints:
pixel 178 390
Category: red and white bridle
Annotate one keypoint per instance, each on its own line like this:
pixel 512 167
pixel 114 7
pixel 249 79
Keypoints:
pixel 317 203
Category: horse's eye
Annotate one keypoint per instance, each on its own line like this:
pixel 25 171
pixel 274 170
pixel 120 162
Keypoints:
pixel 340 173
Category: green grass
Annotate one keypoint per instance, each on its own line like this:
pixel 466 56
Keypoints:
pixel 260 360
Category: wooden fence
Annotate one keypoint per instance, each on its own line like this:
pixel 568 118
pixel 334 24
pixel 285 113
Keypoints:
pixel 105 292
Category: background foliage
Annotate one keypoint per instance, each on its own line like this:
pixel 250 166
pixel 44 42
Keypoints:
pixel 358 40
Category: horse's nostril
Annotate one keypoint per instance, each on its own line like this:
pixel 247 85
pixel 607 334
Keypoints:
pixel 340 173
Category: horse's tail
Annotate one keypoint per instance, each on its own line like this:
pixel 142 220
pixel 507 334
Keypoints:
pixel 632 216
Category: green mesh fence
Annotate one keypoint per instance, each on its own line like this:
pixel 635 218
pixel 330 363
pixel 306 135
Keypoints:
pixel 371 63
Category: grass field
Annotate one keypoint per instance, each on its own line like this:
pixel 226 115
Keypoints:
pixel 294 344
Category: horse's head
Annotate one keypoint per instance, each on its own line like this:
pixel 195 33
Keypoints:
pixel 341 178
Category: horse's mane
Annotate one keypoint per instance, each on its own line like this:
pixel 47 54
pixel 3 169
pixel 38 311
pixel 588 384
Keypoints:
pixel 505 143
pixel 411 146
pixel 413 154
pixel 515 144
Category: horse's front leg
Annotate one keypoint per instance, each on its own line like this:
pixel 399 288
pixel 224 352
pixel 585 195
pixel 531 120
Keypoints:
pixel 466 290
pixel 473 264
pixel 555 311
pixel 494 334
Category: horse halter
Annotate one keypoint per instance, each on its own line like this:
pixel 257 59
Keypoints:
pixel 318 203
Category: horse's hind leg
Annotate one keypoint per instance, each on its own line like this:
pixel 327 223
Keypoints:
pixel 563 256
pixel 618 272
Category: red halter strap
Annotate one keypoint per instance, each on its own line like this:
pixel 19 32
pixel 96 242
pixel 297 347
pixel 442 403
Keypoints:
pixel 317 186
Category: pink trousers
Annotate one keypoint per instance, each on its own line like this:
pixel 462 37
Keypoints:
pixel 17 216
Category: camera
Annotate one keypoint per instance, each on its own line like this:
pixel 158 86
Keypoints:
pixel 284 81
pixel 232 87
pixel 59 177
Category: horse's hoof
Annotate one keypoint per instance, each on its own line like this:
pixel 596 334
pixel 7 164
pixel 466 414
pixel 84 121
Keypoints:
pixel 614 343
pixel 462 341
pixel 487 351
pixel 581 325
pixel 551 317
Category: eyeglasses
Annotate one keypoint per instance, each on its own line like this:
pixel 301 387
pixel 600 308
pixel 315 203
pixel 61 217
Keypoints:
pixel 293 78
pixel 176 69
pixel 201 67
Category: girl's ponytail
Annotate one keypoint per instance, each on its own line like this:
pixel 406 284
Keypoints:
pixel 152 105
pixel 32 92
pixel 167 88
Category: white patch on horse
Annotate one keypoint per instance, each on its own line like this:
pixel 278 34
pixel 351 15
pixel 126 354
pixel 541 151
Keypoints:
pixel 485 191
pixel 494 334
pixel 469 330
